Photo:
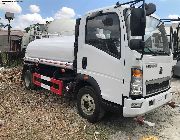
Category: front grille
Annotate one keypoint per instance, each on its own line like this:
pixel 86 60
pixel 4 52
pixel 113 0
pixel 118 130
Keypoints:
pixel 157 87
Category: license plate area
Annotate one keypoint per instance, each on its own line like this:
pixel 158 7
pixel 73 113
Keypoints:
pixel 161 99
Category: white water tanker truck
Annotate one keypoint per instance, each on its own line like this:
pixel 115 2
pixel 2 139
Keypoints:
pixel 118 59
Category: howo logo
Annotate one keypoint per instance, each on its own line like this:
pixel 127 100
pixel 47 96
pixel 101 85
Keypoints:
pixel 151 66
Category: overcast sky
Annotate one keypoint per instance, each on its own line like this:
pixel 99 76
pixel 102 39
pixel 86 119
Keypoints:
pixel 38 11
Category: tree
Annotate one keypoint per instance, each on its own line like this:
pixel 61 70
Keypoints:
pixel 27 29
pixel 1 24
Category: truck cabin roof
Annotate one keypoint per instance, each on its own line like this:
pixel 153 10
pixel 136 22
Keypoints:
pixel 105 9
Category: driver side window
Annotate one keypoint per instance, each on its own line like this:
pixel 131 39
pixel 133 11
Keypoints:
pixel 103 32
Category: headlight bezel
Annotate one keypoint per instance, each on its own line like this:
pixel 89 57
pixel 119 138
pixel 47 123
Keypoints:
pixel 136 84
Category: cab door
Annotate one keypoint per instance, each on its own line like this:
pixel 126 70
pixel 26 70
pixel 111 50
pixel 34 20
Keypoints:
pixel 100 54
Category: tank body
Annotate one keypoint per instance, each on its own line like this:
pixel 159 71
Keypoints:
pixel 56 49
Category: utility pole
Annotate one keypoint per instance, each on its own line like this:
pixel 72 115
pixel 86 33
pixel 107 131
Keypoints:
pixel 1 62
pixel 9 16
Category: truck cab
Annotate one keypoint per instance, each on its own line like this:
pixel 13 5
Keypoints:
pixel 121 60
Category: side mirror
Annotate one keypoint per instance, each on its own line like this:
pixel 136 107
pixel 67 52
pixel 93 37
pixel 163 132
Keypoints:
pixel 175 38
pixel 108 22
pixel 136 44
pixel 150 8
pixel 138 22
pixel 171 41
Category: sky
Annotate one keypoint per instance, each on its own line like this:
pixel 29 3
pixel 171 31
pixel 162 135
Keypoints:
pixel 38 11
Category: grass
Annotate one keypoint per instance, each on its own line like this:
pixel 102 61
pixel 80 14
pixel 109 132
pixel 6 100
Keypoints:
pixel 11 64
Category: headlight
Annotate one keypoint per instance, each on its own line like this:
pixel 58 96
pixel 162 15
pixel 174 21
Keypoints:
pixel 136 82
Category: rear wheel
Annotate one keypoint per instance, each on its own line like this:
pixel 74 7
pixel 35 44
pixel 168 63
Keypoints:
pixel 28 80
pixel 88 104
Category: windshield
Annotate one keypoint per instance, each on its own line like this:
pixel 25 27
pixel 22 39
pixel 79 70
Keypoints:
pixel 155 37
pixel 156 41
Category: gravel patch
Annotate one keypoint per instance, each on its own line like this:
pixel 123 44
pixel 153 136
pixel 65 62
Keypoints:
pixel 41 115
pixel 167 122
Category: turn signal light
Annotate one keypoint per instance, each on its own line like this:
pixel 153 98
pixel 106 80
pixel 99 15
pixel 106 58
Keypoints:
pixel 137 73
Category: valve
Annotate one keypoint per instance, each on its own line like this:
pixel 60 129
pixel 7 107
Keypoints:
pixel 173 105
pixel 140 120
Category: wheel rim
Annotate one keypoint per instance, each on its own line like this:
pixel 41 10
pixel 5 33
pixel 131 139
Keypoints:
pixel 27 81
pixel 87 104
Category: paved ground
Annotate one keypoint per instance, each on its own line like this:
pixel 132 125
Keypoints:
pixel 40 115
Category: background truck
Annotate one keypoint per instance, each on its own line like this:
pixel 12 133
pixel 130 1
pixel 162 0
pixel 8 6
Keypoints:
pixel 119 59
pixel 49 30
pixel 176 53
pixel 172 30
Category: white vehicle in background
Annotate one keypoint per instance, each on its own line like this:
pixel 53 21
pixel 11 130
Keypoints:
pixel 55 28
pixel 173 33
pixel 119 59
pixel 36 31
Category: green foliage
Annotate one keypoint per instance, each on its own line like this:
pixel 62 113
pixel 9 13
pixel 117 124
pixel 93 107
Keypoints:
pixel 1 25
pixel 11 63
pixel 27 29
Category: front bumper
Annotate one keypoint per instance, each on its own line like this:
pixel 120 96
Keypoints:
pixel 147 106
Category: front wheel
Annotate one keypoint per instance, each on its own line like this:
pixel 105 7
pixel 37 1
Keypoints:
pixel 28 80
pixel 88 104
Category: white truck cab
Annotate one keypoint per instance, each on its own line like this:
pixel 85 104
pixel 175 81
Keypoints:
pixel 119 59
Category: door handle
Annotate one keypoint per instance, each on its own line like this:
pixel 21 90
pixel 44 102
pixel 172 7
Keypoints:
pixel 84 62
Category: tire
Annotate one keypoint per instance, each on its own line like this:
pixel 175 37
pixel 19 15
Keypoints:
pixel 88 104
pixel 172 74
pixel 28 80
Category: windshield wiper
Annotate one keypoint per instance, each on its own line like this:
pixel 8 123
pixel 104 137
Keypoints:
pixel 155 54
pixel 159 24
pixel 162 52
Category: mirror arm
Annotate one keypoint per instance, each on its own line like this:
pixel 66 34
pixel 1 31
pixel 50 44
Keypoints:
pixel 131 2
pixel 142 44
pixel 171 38
pixel 143 40
pixel 178 36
